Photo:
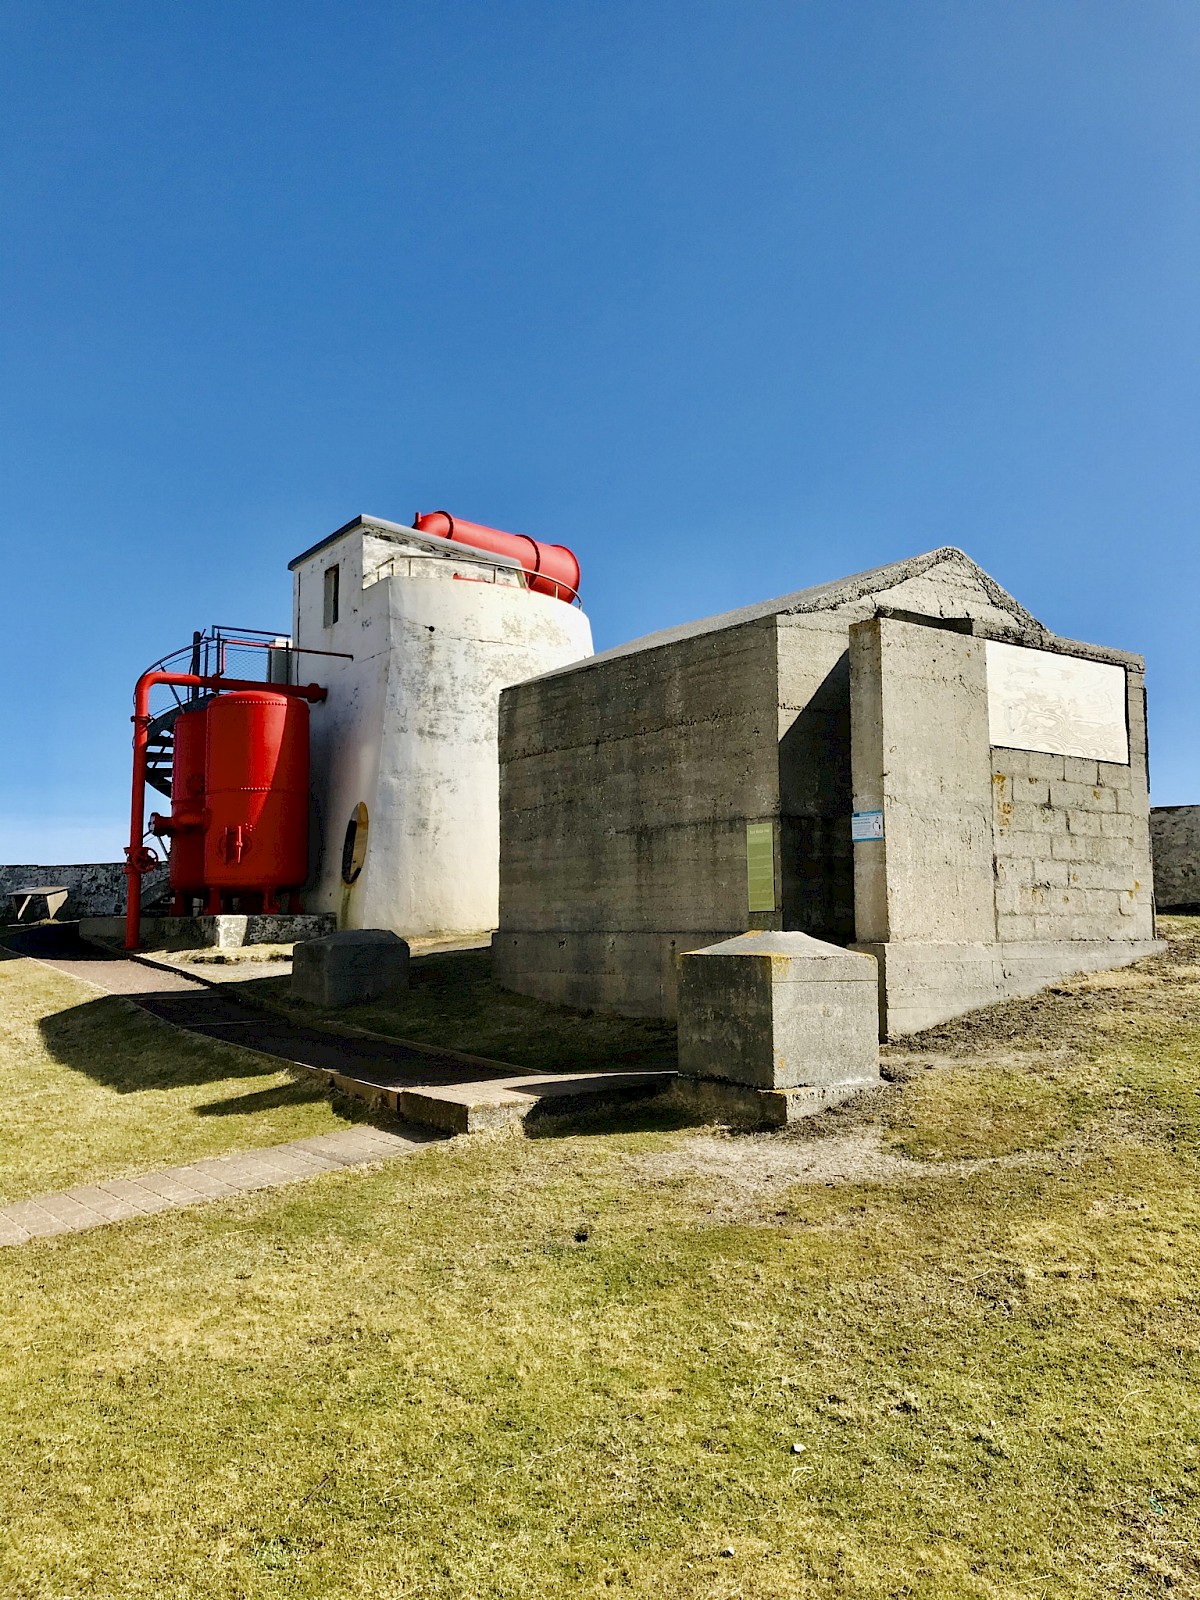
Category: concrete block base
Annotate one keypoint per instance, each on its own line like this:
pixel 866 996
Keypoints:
pixel 350 967
pixel 780 1013
pixel 210 933
pixel 705 1100
pixel 921 985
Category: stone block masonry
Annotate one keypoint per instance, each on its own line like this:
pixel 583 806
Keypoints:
pixel 1175 835
pixel 94 888
pixel 1072 843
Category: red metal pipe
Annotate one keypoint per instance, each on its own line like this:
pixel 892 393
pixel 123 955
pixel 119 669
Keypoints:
pixel 137 856
pixel 550 568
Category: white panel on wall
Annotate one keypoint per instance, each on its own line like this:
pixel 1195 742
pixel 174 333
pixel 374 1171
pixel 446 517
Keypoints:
pixel 1062 704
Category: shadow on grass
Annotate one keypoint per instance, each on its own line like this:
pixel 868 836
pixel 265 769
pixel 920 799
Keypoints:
pixel 453 1002
pixel 651 1115
pixel 284 1094
pixel 115 1044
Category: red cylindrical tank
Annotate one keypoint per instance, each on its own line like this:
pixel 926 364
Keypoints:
pixel 256 790
pixel 187 804
pixel 552 568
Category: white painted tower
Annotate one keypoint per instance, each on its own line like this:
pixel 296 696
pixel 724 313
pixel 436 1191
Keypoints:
pixel 433 631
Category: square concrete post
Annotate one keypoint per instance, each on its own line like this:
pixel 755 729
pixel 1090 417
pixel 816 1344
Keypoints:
pixel 348 968
pixel 785 1024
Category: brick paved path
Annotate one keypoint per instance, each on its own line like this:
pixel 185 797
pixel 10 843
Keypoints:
pixel 216 1178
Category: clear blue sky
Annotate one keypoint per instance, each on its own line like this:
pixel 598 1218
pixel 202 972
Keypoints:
pixel 731 297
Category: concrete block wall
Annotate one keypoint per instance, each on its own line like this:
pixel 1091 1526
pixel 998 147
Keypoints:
pixel 968 898
pixel 1072 848
pixel 1175 836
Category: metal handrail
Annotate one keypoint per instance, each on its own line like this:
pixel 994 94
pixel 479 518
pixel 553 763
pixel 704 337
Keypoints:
pixel 213 642
pixel 388 567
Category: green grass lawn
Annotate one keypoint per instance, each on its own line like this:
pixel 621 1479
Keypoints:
pixel 452 1000
pixel 93 1088
pixel 579 1364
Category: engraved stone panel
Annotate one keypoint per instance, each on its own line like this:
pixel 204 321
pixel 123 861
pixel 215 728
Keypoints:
pixel 1060 704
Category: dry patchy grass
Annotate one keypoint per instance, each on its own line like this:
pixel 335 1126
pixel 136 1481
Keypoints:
pixel 529 1368
pixel 95 1088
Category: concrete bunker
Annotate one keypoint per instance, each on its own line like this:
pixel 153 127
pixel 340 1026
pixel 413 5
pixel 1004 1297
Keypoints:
pixel 905 762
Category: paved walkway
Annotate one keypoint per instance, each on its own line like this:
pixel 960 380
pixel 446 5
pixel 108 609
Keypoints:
pixel 445 1090
pixel 176 997
pixel 216 1178
pixel 435 1092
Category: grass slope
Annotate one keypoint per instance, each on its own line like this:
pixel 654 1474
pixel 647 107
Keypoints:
pixel 577 1365
pixel 93 1088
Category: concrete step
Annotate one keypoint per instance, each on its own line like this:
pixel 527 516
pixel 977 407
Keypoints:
pixel 474 1106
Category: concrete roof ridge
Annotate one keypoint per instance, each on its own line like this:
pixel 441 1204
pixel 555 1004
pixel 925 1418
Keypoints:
pixel 823 597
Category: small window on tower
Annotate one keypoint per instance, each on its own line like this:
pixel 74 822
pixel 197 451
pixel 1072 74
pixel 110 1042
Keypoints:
pixel 331 596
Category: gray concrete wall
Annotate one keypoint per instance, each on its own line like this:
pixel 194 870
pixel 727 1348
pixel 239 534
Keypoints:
pixel 816 861
pixel 1070 888
pixel 95 888
pixel 625 791
pixel 1175 836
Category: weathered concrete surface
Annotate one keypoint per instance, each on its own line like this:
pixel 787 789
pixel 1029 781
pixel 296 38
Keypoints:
pixel 922 984
pixel 1175 836
pixel 409 726
pixel 625 794
pixel 349 967
pixel 94 888
pixel 225 932
pixel 779 1011
pixel 1000 870
pixel 713 1100
pixel 627 782
pixel 920 755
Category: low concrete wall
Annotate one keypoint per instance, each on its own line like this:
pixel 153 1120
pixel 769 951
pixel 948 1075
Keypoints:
pixel 230 931
pixel 1175 845
pixel 94 888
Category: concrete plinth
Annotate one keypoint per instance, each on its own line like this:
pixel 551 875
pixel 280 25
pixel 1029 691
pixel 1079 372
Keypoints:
pixel 347 968
pixel 789 1018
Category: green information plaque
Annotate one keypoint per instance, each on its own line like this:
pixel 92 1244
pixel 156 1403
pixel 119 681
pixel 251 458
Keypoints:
pixel 760 865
